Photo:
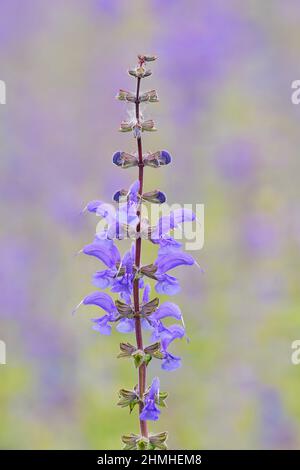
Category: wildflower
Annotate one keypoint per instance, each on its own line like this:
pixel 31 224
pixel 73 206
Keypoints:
pixel 150 410
pixel 125 274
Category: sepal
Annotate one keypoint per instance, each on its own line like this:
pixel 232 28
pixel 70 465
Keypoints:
pixel 157 159
pixel 142 443
pixel 124 309
pixel 149 270
pixel 126 126
pixel 146 58
pixel 160 399
pixel 149 96
pixel 148 126
pixel 154 350
pixel 124 160
pixel 150 307
pixel 130 441
pixel 158 441
pixel 127 350
pixel 140 72
pixel 128 398
pixel 155 197
pixel 136 442
pixel 124 95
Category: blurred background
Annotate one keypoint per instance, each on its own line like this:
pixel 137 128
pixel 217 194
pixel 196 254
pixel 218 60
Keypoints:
pixel 225 114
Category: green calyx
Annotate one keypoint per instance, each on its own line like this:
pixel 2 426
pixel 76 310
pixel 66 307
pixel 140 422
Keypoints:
pixel 136 442
pixel 128 398
pixel 140 357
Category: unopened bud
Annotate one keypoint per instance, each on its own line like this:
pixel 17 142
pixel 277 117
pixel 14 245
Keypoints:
pixel 124 160
pixel 124 95
pixel 158 441
pixel 155 197
pixel 148 126
pixel 150 96
pixel 147 58
pixel 140 72
pixel 157 159
pixel 126 126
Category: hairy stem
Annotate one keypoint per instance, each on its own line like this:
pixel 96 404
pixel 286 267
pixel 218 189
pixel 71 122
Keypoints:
pixel 138 247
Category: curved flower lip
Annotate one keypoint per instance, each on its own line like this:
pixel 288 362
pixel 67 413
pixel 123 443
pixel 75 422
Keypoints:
pixel 167 285
pixel 170 362
pixel 101 325
pixel 171 258
pixel 105 250
pixel 156 197
pixel 102 300
pixel 173 220
pixel 171 333
pixel 103 279
pixel 167 309
pixel 125 325
pixel 92 206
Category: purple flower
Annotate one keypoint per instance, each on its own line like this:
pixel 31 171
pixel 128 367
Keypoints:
pixel 167 309
pixel 124 282
pixel 169 257
pixel 105 250
pixel 150 411
pixel 169 334
pixel 125 325
pixel 167 285
pixel 170 222
pixel 104 301
pixel 170 362
pixel 104 279
pixel 120 219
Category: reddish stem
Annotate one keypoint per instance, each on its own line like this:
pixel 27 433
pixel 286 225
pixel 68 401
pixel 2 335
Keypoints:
pixel 138 247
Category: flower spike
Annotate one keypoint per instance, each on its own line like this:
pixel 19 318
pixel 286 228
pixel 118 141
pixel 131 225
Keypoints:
pixel 132 307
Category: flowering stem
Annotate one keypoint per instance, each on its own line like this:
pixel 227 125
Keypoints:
pixel 138 247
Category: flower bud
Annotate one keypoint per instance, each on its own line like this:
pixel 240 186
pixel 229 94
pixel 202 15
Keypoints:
pixel 130 441
pixel 124 309
pixel 155 196
pixel 147 58
pixel 142 443
pixel 128 398
pixel 119 195
pixel 150 96
pixel 124 160
pixel 127 350
pixel 138 357
pixel 148 126
pixel 158 441
pixel 126 126
pixel 140 72
pixel 157 159
pixel 149 270
pixel 124 95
